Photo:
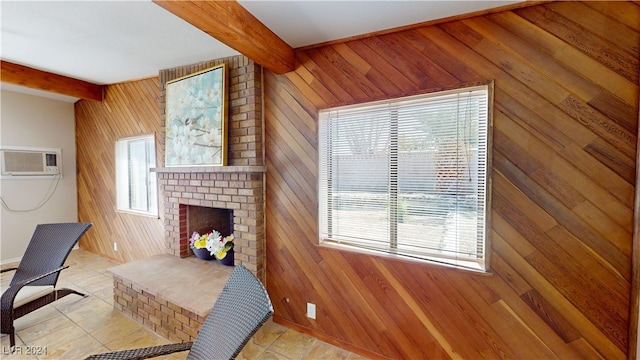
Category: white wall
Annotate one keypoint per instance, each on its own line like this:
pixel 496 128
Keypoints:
pixel 28 120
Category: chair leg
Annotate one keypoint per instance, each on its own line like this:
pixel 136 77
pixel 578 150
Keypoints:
pixel 29 307
pixel 60 293
pixel 8 328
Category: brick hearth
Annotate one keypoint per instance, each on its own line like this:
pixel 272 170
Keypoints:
pixel 168 295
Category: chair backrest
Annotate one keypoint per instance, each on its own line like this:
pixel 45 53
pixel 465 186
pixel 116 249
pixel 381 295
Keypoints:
pixel 48 249
pixel 241 309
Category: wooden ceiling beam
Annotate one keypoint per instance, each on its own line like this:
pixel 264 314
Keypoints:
pixel 233 25
pixel 41 80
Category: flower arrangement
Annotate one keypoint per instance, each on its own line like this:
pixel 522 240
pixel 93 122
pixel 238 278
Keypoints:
pixel 214 242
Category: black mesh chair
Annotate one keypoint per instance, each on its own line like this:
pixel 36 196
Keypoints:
pixel 241 309
pixel 33 283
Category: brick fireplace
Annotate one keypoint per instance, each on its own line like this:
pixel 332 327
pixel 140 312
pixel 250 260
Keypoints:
pixel 202 199
pixel 234 192
pixel 238 187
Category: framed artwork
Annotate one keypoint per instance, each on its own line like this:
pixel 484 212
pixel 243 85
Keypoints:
pixel 196 119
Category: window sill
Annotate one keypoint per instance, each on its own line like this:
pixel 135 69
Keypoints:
pixel 405 259
pixel 139 213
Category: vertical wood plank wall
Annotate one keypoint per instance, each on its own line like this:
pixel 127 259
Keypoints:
pixel 128 109
pixel 565 125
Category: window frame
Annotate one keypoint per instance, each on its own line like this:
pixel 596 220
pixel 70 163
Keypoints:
pixel 123 190
pixel 483 264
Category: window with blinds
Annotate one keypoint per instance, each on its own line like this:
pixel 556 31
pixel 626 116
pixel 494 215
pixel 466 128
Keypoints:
pixel 408 176
pixel 136 186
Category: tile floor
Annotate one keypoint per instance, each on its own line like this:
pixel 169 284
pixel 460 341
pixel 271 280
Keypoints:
pixel 75 327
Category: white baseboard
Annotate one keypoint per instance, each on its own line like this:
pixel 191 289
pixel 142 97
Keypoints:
pixel 16 260
pixel 10 261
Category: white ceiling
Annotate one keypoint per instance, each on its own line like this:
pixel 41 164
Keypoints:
pixel 108 41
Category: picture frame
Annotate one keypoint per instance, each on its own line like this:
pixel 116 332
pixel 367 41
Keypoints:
pixel 196 119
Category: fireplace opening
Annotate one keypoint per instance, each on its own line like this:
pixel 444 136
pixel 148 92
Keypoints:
pixel 205 219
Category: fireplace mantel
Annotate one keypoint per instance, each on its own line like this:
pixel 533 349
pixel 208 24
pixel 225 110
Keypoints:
pixel 211 169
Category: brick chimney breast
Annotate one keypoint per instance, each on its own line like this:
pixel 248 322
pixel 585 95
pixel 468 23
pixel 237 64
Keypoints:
pixel 238 187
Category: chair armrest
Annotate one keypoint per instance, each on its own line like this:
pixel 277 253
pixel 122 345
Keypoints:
pixel 8 269
pixel 10 294
pixel 143 353
pixel 39 276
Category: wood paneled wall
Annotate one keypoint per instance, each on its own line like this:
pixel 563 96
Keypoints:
pixel 128 109
pixel 565 124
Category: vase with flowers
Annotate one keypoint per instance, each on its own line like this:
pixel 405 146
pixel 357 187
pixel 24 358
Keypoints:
pixel 223 250
pixel 212 245
pixel 198 244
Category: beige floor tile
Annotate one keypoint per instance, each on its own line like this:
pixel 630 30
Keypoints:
pixel 32 335
pixel 64 283
pixel 84 278
pixel 43 314
pixel 139 338
pixel 293 344
pixel 55 339
pixel 121 327
pixel 85 309
pixel 77 348
pixel 105 294
pixel 268 333
pixel 88 279
pixel 251 351
pixel 97 286
pixel 322 350
pixel 100 320
pixel 272 355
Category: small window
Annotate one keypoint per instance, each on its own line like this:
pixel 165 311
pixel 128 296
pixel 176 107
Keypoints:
pixel 408 177
pixel 136 185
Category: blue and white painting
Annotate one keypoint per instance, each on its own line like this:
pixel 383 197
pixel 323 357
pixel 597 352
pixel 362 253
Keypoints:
pixel 196 119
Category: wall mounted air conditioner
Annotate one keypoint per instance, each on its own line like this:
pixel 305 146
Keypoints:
pixel 19 162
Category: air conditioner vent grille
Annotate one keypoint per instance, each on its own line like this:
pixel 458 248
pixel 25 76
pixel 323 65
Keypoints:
pixel 22 161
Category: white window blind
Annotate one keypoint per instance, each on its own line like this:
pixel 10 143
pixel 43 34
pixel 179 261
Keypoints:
pixel 408 176
pixel 136 185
